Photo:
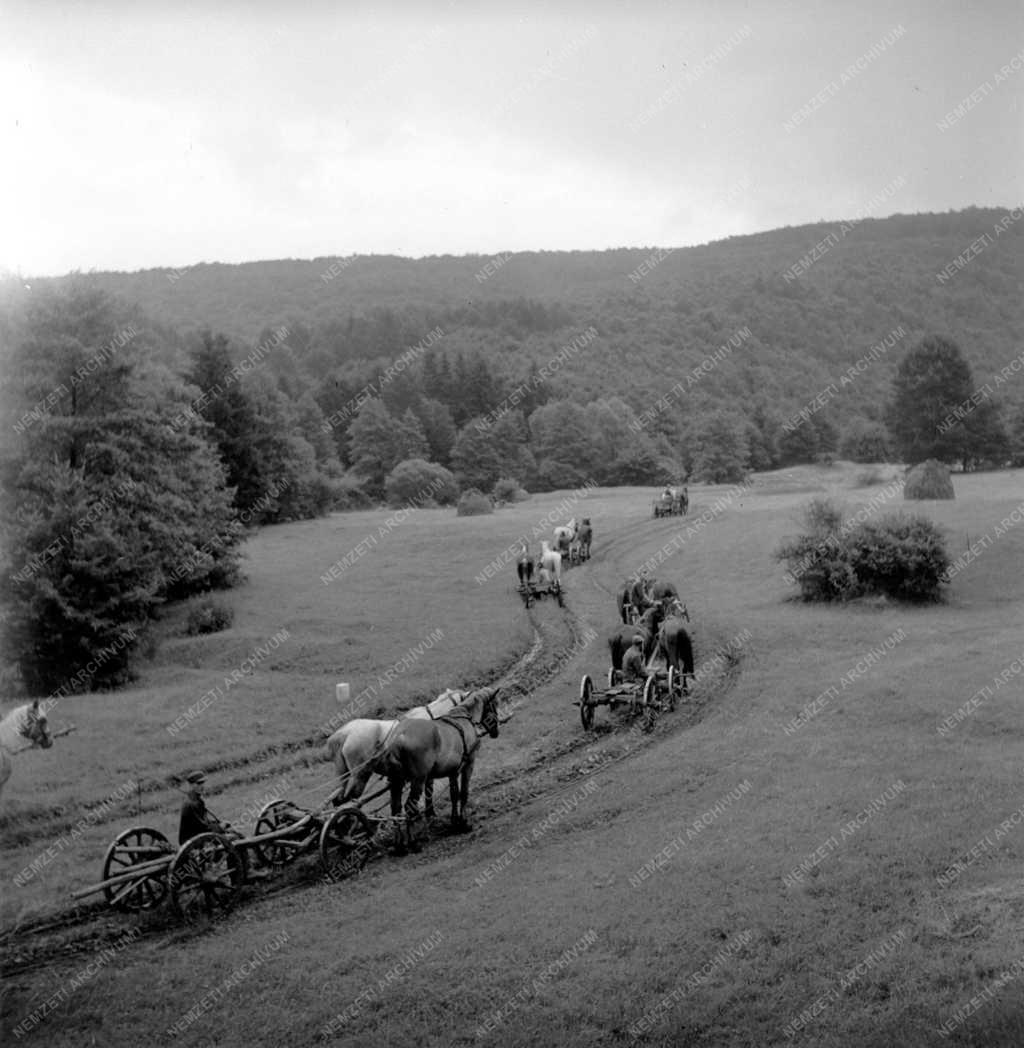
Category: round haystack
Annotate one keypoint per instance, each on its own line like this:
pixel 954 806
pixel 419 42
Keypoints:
pixel 928 480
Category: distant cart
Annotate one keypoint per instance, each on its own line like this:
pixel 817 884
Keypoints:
pixel 531 592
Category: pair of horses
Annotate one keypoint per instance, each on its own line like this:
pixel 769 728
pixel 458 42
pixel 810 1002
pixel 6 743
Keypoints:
pixel 439 740
pixel 574 538
pixel 661 624
pixel 548 570
pixel 24 728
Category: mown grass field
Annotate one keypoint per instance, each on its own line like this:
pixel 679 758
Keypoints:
pixel 618 911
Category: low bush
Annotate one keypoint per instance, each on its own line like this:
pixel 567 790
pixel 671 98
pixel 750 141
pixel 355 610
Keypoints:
pixel 868 478
pixel 474 503
pixel 350 493
pixel 211 616
pixel 897 556
pixel 508 490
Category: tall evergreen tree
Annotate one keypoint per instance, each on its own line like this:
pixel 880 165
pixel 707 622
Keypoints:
pixel 222 401
pixel 932 381
pixel 373 450
pixel 438 428
pixel 114 499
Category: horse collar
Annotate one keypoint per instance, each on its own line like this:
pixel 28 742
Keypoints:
pixel 455 723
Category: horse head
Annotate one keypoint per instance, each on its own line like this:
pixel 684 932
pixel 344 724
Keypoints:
pixel 484 701
pixel 34 727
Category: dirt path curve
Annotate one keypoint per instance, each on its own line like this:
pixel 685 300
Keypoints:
pixel 543 752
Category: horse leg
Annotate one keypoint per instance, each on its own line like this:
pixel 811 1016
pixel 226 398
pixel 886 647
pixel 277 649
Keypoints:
pixel 412 812
pixel 395 785
pixel 467 771
pixel 428 800
pixel 457 813
pixel 687 661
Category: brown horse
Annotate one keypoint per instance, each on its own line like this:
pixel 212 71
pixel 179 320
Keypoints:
pixel 620 639
pixel 675 646
pixel 418 751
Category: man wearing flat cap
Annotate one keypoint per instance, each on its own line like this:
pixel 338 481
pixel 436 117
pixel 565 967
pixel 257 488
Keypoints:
pixel 195 819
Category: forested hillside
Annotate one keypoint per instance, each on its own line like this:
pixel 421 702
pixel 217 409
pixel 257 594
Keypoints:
pixel 871 277
pixel 216 398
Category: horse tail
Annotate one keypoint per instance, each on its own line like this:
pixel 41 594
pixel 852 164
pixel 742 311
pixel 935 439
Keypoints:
pixel 615 649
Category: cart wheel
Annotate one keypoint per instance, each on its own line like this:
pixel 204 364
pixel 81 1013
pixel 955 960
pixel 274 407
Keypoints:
pixel 275 815
pixel 345 842
pixel 586 702
pixel 673 687
pixel 206 876
pixel 650 703
pixel 133 847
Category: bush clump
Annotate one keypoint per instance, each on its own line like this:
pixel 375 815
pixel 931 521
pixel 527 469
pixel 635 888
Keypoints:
pixel 416 482
pixel 211 616
pixel 474 503
pixel 508 490
pixel 897 556
pixel 929 480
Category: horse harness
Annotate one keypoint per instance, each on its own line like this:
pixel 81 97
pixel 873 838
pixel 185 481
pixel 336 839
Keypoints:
pixel 455 722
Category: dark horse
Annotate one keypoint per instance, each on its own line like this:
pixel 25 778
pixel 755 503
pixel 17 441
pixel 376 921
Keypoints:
pixel 675 646
pixel 524 566
pixel 620 639
pixel 420 750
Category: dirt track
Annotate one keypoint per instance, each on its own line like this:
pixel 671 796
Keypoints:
pixel 550 754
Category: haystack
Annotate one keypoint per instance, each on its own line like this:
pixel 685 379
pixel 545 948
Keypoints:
pixel 928 480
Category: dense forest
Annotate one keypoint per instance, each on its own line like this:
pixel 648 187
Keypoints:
pixel 220 397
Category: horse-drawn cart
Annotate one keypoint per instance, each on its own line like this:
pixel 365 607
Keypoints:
pixel 647 698
pixel 532 591
pixel 205 875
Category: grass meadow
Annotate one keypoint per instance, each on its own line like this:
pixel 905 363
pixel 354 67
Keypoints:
pixel 758 871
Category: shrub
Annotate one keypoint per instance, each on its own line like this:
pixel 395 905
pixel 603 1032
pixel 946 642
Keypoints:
pixel 928 480
pixel 897 556
pixel 416 482
pixel 211 616
pixel 474 503
pixel 508 490
pixel 350 493
pixel 868 478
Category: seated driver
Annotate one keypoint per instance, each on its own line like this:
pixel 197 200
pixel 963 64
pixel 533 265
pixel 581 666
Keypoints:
pixel 195 819
pixel 634 664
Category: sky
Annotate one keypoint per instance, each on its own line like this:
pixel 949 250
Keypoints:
pixel 142 134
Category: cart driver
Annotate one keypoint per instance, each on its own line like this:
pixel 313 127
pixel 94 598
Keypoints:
pixel 633 663
pixel 195 819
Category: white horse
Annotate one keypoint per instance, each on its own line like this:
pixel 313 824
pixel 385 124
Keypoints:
pixel 356 747
pixel 550 564
pixel 565 534
pixel 22 729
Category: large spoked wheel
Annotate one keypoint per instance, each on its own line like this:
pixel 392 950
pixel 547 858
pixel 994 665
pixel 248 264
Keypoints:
pixel 278 815
pixel 345 842
pixel 134 847
pixel 650 703
pixel 674 688
pixel 206 877
pixel 587 702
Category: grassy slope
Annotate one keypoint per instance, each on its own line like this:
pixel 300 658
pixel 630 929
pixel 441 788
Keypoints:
pixel 499 936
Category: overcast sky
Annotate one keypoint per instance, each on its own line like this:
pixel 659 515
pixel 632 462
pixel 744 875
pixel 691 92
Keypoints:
pixel 140 134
